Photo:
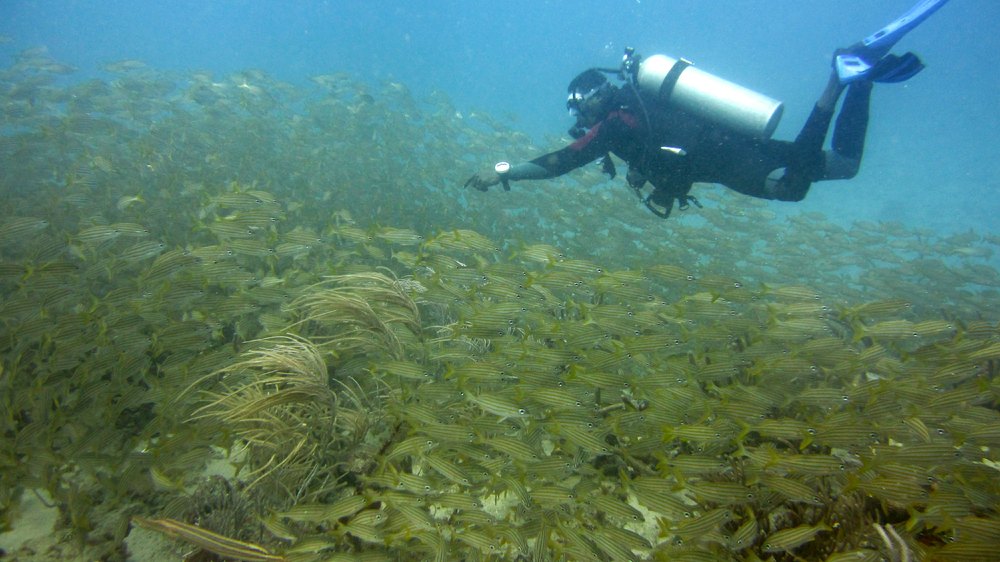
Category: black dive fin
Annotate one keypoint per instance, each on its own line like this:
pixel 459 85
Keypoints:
pixel 894 68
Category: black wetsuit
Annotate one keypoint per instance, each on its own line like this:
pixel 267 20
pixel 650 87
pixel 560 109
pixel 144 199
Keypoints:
pixel 699 151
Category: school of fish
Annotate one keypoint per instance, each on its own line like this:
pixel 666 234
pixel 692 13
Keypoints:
pixel 288 280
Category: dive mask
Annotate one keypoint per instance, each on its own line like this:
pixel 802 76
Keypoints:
pixel 580 102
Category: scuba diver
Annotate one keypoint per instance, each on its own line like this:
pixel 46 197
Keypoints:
pixel 675 125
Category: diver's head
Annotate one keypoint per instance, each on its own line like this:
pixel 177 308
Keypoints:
pixel 590 97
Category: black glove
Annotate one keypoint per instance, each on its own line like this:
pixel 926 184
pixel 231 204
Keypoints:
pixel 483 180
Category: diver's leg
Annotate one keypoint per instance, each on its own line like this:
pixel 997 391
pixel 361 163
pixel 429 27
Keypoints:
pixel 849 133
pixel 828 99
pixel 804 160
pixel 814 131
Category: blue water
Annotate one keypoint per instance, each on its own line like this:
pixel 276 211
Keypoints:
pixel 931 155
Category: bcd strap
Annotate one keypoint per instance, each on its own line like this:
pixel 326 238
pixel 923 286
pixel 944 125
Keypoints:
pixel 670 80
pixel 662 214
pixel 684 202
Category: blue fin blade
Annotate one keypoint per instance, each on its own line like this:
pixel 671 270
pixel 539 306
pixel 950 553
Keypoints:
pixel 854 64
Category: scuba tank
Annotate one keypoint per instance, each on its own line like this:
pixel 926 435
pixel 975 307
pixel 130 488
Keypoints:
pixel 676 83
pixel 695 104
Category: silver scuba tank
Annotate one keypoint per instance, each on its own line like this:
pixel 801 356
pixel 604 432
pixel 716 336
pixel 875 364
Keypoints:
pixel 676 83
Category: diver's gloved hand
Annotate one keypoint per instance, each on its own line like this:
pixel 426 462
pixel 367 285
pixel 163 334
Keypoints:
pixel 483 180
